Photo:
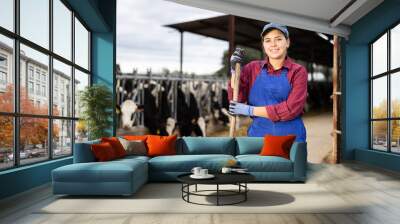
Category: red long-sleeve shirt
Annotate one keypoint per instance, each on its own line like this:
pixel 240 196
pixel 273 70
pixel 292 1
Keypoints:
pixel 297 77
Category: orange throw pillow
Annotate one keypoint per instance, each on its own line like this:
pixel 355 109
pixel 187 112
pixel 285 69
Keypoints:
pixel 161 145
pixel 135 137
pixel 277 145
pixel 103 151
pixel 116 145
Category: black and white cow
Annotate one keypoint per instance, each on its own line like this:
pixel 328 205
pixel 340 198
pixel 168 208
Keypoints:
pixel 195 102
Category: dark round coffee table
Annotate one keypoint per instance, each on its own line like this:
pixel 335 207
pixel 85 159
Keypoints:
pixel 238 179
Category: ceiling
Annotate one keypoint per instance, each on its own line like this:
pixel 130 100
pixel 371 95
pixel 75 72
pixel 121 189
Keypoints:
pixel 324 16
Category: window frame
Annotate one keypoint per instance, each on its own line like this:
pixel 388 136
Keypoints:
pixel 16 114
pixel 388 74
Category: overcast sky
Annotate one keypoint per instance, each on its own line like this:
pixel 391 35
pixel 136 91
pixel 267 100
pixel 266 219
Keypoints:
pixel 143 42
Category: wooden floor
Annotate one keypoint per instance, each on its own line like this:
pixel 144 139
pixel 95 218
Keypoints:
pixel 378 189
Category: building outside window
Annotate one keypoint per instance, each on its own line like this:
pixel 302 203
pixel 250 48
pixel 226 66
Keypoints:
pixel 37 75
pixel 43 90
pixel 43 78
pixel 30 87
pixel 34 75
pixel 38 89
pixel 385 96
pixel 3 61
pixel 30 72
pixel 55 97
pixel 3 72
pixel 3 81
pixel 3 78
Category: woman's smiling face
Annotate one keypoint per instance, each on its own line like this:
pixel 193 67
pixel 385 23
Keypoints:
pixel 275 44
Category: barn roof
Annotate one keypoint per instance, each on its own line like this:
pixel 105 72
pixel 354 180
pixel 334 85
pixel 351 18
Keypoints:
pixel 305 45
pixel 326 16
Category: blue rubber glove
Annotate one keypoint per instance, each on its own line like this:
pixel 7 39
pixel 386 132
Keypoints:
pixel 240 109
pixel 237 57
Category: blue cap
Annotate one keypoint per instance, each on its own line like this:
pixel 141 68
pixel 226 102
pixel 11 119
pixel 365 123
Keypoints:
pixel 277 26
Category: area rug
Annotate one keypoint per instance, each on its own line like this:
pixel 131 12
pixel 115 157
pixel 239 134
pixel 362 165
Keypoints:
pixel 167 198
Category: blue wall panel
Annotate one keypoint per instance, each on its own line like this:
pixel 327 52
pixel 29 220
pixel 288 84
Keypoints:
pixel 356 84
pixel 102 59
pixel 24 178
pixel 104 54
pixel 103 65
pixel 356 99
pixel 377 158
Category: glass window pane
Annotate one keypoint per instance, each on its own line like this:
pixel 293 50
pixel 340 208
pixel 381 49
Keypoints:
pixel 395 95
pixel 81 81
pixel 7 14
pixel 34 16
pixel 379 55
pixel 62 29
pixel 395 136
pixel 379 98
pixel 379 135
pixel 81 45
pixel 395 47
pixel 34 72
pixel 62 89
pixel 81 131
pixel 6 142
pixel 33 139
pixel 6 74
pixel 62 138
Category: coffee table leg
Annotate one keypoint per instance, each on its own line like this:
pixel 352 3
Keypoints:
pixel 196 188
pixel 188 189
pixel 185 187
pixel 217 194
pixel 245 193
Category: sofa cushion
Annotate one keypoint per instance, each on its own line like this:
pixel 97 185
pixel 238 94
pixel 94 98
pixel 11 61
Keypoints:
pixel 277 145
pixel 185 163
pixel 112 171
pixel 206 145
pixel 161 145
pixel 116 145
pixel 257 163
pixel 134 147
pixel 132 158
pixel 135 137
pixel 249 145
pixel 103 151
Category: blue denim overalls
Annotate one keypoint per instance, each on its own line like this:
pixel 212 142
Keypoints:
pixel 268 90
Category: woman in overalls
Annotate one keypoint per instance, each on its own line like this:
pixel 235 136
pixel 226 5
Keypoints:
pixel 272 91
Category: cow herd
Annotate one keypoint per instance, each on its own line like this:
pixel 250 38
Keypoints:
pixel 164 106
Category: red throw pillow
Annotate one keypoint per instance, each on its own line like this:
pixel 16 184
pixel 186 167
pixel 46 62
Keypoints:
pixel 161 145
pixel 135 137
pixel 277 145
pixel 116 145
pixel 103 151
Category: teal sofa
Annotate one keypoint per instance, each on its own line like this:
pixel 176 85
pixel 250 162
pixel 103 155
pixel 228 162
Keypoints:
pixel 125 176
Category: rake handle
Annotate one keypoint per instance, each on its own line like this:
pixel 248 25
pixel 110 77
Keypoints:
pixel 235 87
